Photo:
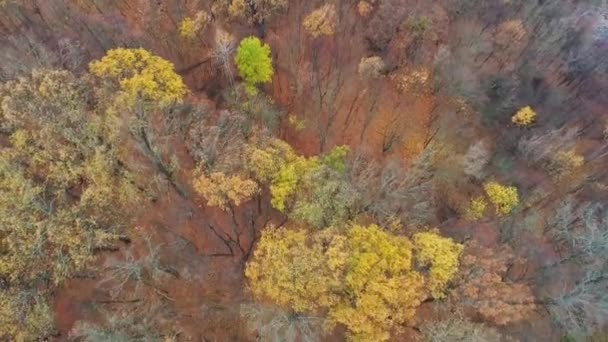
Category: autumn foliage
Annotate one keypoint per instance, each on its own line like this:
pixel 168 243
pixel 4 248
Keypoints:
pixel 366 278
pixel 221 190
pixel 524 117
pixel 140 75
pixel 321 22
pixel 482 285
pixel 504 198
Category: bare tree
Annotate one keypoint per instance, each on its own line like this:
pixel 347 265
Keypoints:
pixel 583 231
pixel 388 190
pixel 457 327
pixel 540 148
pixel 584 308
pixel 273 324
pixel 222 53
pixel 71 54
pixel 146 270
pixel 477 157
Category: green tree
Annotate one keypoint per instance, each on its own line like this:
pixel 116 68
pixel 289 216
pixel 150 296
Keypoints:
pixel 336 158
pixel 254 62
pixel 288 179
pixel 325 198
pixel 264 162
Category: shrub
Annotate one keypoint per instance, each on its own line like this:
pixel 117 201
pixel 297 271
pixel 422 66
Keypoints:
pixel 476 209
pixel 540 148
pixel 457 327
pixel 419 25
pixel 371 67
pixel 255 11
pixel 477 157
pixel 295 123
pixel 364 8
pixel 25 317
pixel 189 28
pixel 565 163
pixel 524 117
pixel 504 198
pixel 484 289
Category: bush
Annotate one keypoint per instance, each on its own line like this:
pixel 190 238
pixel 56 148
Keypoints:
pixel 457 327
pixel 476 209
pixel 477 157
pixel 189 28
pixel 371 67
pixel 524 117
pixel 504 198
pixel 565 163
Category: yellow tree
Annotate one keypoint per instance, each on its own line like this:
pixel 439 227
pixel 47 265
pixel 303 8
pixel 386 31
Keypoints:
pixel 221 190
pixel 140 75
pixel 442 255
pixel 254 63
pixel 289 176
pixel 322 21
pixel 363 277
pixel 381 290
pixel 504 198
pixel 264 162
pixel 289 270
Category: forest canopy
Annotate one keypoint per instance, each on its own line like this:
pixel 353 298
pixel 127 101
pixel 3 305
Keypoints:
pixel 275 170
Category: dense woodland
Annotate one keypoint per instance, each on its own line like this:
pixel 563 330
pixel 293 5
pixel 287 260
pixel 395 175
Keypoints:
pixel 291 170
